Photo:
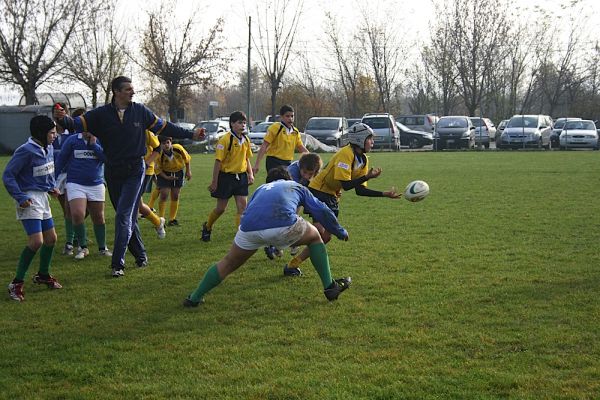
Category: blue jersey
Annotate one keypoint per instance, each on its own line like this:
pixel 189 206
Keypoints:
pixel 58 142
pixel 274 205
pixel 294 171
pixel 31 168
pixel 81 161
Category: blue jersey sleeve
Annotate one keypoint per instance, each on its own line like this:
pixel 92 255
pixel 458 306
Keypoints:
pixel 15 165
pixel 322 214
pixel 65 154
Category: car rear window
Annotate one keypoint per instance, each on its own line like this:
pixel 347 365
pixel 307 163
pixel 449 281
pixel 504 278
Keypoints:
pixel 377 123
pixel 322 124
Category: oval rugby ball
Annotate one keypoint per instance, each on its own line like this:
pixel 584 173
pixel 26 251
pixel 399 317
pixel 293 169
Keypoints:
pixel 416 191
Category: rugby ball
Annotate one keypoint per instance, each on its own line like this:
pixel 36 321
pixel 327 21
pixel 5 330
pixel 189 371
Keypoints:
pixel 416 191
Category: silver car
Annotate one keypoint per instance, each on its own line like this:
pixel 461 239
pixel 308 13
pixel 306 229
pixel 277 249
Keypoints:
pixel 329 130
pixel 454 131
pixel 527 131
pixel 258 132
pixel 579 134
pixel 485 131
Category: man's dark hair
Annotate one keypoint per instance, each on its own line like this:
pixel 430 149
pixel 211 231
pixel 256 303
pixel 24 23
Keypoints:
pixel 278 173
pixel 78 111
pixel 162 139
pixel 285 108
pixel 117 83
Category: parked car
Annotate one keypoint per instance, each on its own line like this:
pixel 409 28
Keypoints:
pixel 387 134
pixel 412 138
pixel 329 130
pixel 485 131
pixel 214 129
pixel 454 131
pixel 423 122
pixel 579 134
pixel 352 121
pixel 258 132
pixel 557 129
pixel 527 131
pixel 500 129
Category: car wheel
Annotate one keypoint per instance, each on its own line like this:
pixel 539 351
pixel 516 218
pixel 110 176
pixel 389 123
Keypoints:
pixel 487 145
pixel 540 144
pixel 413 143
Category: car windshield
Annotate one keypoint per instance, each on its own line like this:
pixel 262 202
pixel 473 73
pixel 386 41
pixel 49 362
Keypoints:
pixel 323 124
pixel 559 124
pixel 580 126
pixel 477 121
pixel 262 127
pixel 452 123
pixel 377 123
pixel 402 126
pixel 523 122
pixel 210 127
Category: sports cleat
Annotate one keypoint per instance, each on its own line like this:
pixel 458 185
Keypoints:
pixel 117 272
pixel 49 280
pixel 142 264
pixel 82 252
pixel 105 252
pixel 287 271
pixel 160 229
pixel 15 291
pixel 294 250
pixel 173 222
pixel 337 287
pixel 68 249
pixel 205 233
pixel 270 252
pixel 189 303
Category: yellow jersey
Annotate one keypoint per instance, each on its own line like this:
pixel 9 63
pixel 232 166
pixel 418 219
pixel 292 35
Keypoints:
pixel 152 142
pixel 173 162
pixel 233 152
pixel 343 166
pixel 282 143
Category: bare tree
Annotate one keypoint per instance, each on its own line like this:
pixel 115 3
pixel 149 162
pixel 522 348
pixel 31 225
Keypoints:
pixel 277 27
pixel 33 36
pixel 95 54
pixel 178 58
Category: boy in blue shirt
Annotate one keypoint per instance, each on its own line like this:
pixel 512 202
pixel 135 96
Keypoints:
pixel 29 178
pixel 271 218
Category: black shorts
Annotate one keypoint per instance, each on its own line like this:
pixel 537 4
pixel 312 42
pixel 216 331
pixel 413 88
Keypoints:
pixel 330 201
pixel 164 183
pixel 272 162
pixel 231 185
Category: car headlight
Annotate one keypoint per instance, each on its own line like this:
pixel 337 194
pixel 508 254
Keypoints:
pixel 466 134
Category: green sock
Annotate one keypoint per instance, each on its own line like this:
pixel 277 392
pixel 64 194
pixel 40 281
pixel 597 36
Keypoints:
pixel 24 262
pixel 100 233
pixel 69 234
pixel 45 259
pixel 210 280
pixel 320 260
pixel 81 234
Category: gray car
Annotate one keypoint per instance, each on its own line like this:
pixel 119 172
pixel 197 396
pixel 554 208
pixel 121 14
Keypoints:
pixel 527 131
pixel 454 131
pixel 329 130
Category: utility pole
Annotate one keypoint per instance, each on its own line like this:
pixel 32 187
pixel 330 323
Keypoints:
pixel 248 82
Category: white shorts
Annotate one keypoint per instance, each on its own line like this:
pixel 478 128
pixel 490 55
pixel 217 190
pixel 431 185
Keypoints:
pixel 39 209
pixel 61 182
pixel 91 193
pixel 279 237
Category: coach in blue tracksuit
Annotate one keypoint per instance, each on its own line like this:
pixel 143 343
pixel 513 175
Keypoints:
pixel 121 126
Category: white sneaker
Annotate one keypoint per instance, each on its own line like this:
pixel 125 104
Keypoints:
pixel 160 229
pixel 68 249
pixel 294 250
pixel 106 252
pixel 82 252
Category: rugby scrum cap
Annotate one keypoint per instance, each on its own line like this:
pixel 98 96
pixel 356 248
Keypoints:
pixel 39 126
pixel 358 133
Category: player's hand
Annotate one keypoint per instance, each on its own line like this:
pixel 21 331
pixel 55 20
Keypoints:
pixel 199 134
pixel 54 192
pixel 92 139
pixel 188 175
pixel 212 187
pixel 250 179
pixel 392 193
pixel 373 173
pixel 58 112
pixel 26 203
pixel 255 170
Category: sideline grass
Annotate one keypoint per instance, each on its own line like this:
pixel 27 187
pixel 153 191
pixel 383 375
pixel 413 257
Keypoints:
pixel 488 289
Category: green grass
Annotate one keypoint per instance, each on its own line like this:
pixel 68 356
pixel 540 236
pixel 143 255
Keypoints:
pixel 487 289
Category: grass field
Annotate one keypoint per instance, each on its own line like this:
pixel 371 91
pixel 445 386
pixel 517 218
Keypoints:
pixel 490 288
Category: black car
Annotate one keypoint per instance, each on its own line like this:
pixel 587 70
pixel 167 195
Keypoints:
pixel 412 138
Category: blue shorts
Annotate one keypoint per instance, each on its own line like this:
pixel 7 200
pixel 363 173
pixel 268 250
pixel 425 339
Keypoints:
pixel 33 226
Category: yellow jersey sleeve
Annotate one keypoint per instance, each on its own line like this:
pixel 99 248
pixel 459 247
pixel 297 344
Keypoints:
pixel 152 142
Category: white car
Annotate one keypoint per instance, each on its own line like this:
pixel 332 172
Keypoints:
pixel 579 134
pixel 258 132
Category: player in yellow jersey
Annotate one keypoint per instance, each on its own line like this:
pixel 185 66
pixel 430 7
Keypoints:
pixel 152 151
pixel 232 172
pixel 348 169
pixel 279 144
pixel 170 167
